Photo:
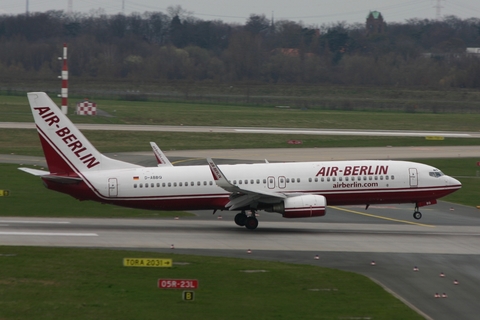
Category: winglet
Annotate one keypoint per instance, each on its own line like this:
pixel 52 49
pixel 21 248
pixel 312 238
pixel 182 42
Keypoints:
pixel 219 177
pixel 160 156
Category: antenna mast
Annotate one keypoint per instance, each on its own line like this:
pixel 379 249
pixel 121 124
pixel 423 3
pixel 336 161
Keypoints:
pixel 438 8
pixel 70 7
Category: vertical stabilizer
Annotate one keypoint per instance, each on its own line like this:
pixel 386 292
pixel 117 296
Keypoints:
pixel 66 149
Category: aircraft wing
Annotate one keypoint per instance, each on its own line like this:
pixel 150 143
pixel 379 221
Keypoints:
pixel 241 197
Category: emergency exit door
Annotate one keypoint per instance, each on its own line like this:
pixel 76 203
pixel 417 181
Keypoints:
pixel 112 187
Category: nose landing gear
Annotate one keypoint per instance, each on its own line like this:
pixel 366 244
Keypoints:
pixel 417 214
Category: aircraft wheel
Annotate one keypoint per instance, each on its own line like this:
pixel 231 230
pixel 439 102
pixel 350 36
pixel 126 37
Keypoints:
pixel 417 215
pixel 251 223
pixel 240 219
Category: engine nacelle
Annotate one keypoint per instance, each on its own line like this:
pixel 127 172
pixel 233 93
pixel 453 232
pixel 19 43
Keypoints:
pixel 302 206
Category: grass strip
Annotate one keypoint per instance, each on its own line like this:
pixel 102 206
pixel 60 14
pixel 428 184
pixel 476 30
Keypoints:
pixel 58 283
pixel 14 108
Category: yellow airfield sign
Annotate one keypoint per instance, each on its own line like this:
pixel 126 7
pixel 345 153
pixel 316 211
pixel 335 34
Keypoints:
pixel 147 262
pixel 4 193
pixel 435 138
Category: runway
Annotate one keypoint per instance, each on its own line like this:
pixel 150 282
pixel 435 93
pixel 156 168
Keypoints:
pixel 267 130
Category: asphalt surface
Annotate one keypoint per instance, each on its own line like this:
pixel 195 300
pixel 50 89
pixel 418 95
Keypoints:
pixel 306 131
pixel 446 240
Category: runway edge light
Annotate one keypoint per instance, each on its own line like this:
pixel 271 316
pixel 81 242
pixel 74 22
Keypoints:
pixel 4 193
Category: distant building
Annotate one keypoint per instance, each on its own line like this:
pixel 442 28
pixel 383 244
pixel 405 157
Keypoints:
pixel 473 51
pixel 375 23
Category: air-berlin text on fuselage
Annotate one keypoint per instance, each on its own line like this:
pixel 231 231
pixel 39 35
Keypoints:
pixel 353 171
pixel 68 138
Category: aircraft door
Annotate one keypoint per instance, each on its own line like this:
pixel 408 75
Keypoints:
pixel 413 177
pixel 112 187
pixel 271 182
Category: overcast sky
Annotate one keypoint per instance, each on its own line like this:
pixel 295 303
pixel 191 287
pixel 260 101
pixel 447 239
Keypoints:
pixel 309 11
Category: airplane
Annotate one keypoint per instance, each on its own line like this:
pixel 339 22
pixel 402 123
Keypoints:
pixel 162 159
pixel 295 190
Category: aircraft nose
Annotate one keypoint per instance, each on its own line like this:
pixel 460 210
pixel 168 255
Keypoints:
pixel 454 182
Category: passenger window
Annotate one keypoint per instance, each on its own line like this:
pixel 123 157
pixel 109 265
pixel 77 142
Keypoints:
pixel 346 178
pixel 141 185
pixel 146 185
pixel 135 185
pixel 339 178
pixel 328 179
pixel 174 184
pixel 323 179
pixel 252 182
pixel 169 184
pixel 381 177
pixel 309 179
pixel 334 179
pixel 386 177
pixel 316 179
pixel 392 177
pixel 298 180
pixel 211 183
pixel 204 183
pixel 258 181
pixel 163 184
pixel 158 184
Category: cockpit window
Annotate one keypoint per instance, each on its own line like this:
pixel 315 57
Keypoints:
pixel 436 173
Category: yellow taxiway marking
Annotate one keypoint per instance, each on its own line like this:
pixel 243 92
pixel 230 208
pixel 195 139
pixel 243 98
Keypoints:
pixel 384 218
pixel 185 160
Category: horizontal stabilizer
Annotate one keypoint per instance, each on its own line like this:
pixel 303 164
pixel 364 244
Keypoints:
pixel 46 175
pixel 35 172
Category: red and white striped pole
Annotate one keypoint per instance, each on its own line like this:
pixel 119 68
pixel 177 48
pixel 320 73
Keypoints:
pixel 64 77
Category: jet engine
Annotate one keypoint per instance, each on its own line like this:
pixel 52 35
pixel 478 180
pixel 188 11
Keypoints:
pixel 301 206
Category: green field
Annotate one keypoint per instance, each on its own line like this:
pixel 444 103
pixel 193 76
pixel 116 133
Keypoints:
pixel 53 283
pixel 14 108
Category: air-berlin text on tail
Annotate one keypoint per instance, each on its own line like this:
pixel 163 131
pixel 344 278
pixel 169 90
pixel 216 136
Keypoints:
pixel 68 138
pixel 353 171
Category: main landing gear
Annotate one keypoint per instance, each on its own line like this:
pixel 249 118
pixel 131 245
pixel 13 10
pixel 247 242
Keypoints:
pixel 417 214
pixel 250 222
